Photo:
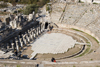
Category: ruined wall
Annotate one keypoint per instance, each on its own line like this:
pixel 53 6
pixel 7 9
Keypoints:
pixel 91 1
pixel 66 0
pixel 88 1
pixel 96 1
pixel 75 1
pixel 5 31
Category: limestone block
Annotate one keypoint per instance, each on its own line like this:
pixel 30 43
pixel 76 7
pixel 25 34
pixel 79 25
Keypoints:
pixel 96 1
pixel 11 23
pixel 30 17
pixel 88 1
pixel 15 24
pixel 17 47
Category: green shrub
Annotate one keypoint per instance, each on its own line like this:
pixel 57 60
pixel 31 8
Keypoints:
pixel 95 3
pixel 64 10
pixel 80 1
pixel 18 65
pixel 47 8
pixel 34 7
pixel 91 59
pixel 27 1
pixel 30 8
pixel 3 5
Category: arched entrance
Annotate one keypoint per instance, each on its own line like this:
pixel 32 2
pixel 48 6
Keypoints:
pixel 0 37
pixel 46 25
pixel 20 33
pixel 7 20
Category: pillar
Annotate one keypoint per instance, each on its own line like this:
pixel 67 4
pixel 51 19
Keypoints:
pixel 11 23
pixel 28 31
pixel 24 40
pixel 12 44
pixel 32 28
pixel 11 41
pixel 17 47
pixel 21 43
pixel 27 38
pixel 48 27
pixel 37 31
pixel 18 25
pixel 18 37
pixel 32 35
pixel 15 24
pixel 42 27
pixel 7 46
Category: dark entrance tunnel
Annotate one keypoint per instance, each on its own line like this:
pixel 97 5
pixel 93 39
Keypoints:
pixel 92 0
pixel 46 25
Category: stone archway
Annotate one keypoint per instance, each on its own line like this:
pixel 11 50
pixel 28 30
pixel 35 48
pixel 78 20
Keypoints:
pixel 8 20
pixel 46 25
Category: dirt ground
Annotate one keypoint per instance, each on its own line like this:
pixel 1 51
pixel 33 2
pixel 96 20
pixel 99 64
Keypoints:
pixel 28 51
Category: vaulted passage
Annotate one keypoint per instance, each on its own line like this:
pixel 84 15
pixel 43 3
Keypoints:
pixel 92 0
pixel 46 25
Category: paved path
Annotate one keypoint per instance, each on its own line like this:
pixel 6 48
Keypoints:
pixel 74 62
pixel 48 62
pixel 53 43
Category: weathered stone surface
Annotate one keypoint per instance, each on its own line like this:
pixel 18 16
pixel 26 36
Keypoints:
pixel 52 43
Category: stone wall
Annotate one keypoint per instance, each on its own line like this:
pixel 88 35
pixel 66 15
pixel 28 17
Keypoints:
pixel 96 1
pixel 88 1
pixel 19 21
pixel 13 23
pixel 4 30
pixel 91 1
pixel 75 1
